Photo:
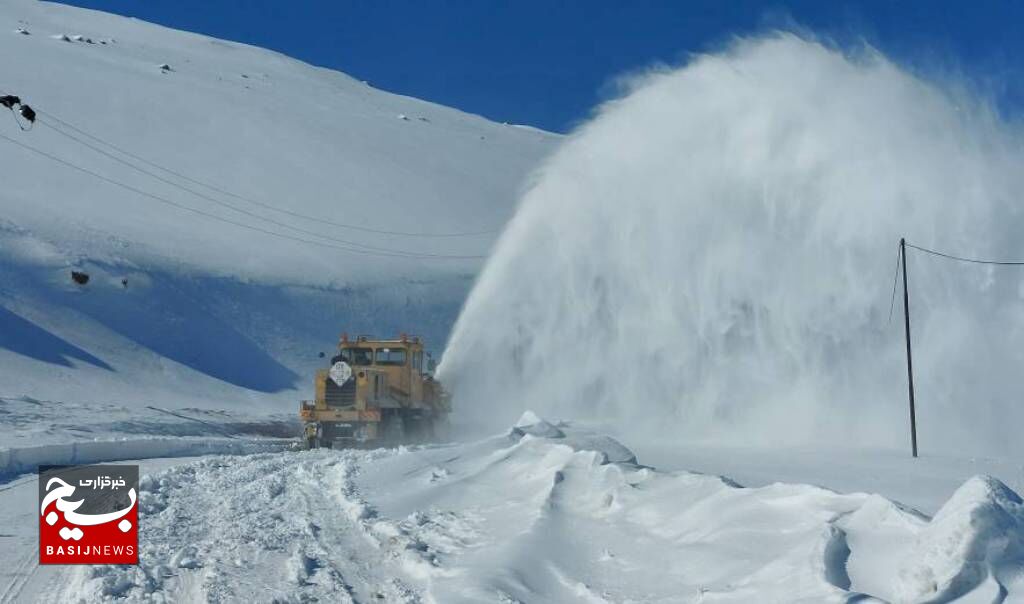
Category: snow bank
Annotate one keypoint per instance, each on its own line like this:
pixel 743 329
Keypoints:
pixel 609 449
pixel 545 519
pixel 977 536
pixel 533 425
pixel 27 459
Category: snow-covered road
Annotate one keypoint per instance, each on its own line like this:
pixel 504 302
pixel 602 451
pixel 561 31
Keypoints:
pixel 22 579
pixel 543 514
pixel 267 527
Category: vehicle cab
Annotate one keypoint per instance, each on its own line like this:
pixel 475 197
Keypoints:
pixel 373 386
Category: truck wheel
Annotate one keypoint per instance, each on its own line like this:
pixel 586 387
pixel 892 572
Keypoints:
pixel 419 428
pixel 393 430
pixel 424 429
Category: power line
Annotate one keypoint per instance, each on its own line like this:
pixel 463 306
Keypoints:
pixel 316 219
pixel 257 229
pixel 228 205
pixel 906 317
pixel 194 419
pixel 26 399
pixel 9 101
pixel 963 259
pixel 895 278
pixel 14 116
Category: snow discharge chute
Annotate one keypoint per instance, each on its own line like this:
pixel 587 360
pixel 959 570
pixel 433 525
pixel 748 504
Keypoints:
pixel 712 257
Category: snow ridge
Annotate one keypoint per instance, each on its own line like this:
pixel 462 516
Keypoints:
pixel 977 538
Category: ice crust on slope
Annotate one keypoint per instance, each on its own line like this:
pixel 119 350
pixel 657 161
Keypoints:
pixel 525 518
pixel 215 316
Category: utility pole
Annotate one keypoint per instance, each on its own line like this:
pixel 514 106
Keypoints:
pixel 910 362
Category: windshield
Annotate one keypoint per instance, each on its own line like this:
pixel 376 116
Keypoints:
pixel 391 356
pixel 357 356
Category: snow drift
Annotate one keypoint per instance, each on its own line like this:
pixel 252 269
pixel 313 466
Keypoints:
pixel 713 255
pixel 544 513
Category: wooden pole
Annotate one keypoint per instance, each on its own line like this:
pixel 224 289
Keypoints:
pixel 910 362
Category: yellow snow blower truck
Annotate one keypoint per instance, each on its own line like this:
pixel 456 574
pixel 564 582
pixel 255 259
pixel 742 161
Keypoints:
pixel 375 392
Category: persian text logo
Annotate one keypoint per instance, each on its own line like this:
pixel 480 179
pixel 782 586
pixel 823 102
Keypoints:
pixel 88 514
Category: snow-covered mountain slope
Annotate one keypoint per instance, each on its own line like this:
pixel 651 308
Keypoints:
pixel 239 234
pixel 545 513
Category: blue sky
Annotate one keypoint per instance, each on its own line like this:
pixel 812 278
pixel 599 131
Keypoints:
pixel 549 62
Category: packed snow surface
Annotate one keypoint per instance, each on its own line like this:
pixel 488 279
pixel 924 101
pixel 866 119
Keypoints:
pixel 521 517
pixel 712 257
pixel 180 172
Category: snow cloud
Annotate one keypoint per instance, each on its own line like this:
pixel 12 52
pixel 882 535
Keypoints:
pixel 712 256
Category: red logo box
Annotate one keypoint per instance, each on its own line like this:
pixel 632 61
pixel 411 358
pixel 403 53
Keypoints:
pixel 89 514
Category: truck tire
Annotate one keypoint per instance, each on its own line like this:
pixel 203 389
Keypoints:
pixel 419 428
pixel 392 430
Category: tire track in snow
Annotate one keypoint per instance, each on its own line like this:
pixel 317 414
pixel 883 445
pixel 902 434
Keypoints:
pixel 21 574
pixel 267 527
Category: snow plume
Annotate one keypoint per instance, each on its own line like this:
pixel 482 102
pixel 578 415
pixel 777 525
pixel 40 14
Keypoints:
pixel 712 256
